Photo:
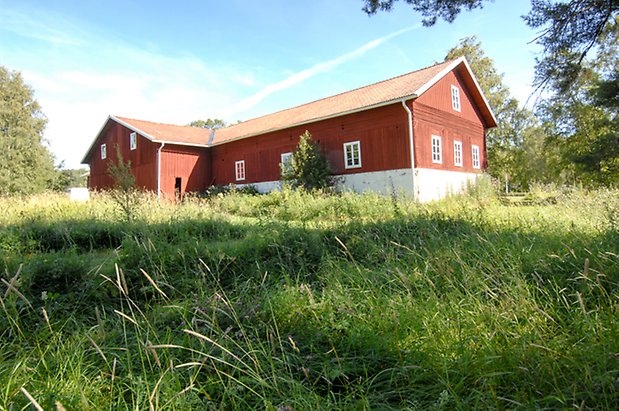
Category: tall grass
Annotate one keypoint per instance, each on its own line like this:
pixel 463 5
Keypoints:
pixel 298 301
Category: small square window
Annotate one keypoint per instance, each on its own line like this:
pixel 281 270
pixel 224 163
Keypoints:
pixel 133 141
pixel 455 98
pixel 239 167
pixel 437 156
pixel 352 154
pixel 458 153
pixel 476 161
pixel 103 152
pixel 285 164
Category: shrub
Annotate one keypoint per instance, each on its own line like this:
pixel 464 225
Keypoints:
pixel 124 194
pixel 214 191
pixel 310 168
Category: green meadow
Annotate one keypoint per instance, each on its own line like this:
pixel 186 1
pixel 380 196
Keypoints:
pixel 292 301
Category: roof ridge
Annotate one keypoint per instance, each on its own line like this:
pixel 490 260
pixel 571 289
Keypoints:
pixel 157 122
pixel 341 93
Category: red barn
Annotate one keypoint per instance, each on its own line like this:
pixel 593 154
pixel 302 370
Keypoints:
pixel 164 158
pixel 422 134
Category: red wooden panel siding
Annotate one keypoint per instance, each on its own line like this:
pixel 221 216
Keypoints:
pixel 190 164
pixel 383 133
pixel 143 158
pixel 433 115
pixel 439 97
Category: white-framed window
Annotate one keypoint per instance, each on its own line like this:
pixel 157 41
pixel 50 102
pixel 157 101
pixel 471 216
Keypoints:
pixel 352 154
pixel 103 151
pixel 437 154
pixel 285 165
pixel 133 141
pixel 455 98
pixel 458 153
pixel 476 162
pixel 239 169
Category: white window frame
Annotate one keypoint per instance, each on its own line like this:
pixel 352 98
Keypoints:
pixel 103 151
pixel 437 150
pixel 285 162
pixel 133 141
pixel 350 148
pixel 475 154
pixel 455 98
pixel 239 170
pixel 458 153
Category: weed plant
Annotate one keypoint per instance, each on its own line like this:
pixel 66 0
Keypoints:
pixel 306 301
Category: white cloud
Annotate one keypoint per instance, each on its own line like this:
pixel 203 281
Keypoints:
pixel 79 92
pixel 85 77
pixel 147 85
pixel 78 102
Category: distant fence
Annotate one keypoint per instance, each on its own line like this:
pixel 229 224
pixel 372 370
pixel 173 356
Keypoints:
pixel 525 198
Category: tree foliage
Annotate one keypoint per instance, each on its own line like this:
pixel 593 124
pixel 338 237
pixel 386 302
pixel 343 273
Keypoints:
pixel 569 32
pixel 582 124
pixel 579 138
pixel 210 123
pixel 515 146
pixel 581 66
pixel 68 178
pixel 431 10
pixel 26 165
pixel 309 169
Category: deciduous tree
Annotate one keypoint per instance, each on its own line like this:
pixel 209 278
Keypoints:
pixel 68 178
pixel 26 165
pixel 512 146
pixel 211 123
pixel 582 124
pixel 569 30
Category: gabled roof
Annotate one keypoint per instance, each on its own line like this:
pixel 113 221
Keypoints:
pixel 404 87
pixel 351 101
pixel 159 133
pixel 167 133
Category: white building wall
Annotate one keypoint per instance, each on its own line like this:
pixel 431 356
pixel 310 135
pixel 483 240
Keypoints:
pixel 430 184
pixel 383 182
pixel 436 184
pixel 265 186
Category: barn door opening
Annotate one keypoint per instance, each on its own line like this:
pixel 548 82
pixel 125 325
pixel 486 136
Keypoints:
pixel 178 189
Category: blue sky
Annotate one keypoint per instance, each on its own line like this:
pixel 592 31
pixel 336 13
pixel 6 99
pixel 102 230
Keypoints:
pixel 180 61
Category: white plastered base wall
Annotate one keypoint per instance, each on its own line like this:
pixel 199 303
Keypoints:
pixel 387 182
pixel 430 184
pixel 265 186
pixel 436 184
pixel 382 182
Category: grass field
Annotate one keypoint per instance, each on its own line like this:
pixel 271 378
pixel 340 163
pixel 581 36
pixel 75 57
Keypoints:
pixel 290 301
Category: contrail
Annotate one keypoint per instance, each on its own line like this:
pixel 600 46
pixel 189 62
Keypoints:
pixel 303 75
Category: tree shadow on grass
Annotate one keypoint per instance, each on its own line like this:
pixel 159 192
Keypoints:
pixel 186 250
pixel 416 271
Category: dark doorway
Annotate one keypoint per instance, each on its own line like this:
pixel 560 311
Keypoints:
pixel 178 189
